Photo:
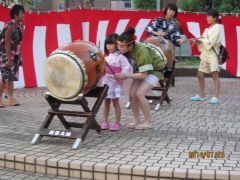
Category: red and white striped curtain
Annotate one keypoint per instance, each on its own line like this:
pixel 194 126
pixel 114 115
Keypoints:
pixel 46 31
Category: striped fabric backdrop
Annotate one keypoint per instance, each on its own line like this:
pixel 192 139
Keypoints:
pixel 47 31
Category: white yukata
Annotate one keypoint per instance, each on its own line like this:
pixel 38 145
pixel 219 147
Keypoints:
pixel 119 64
pixel 211 38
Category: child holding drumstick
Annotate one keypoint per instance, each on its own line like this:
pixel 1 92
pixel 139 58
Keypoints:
pixel 116 63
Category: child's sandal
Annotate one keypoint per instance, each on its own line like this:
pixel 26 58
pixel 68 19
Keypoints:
pixel 198 98
pixel 105 125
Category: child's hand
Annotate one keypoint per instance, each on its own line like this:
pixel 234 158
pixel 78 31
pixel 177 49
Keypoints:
pixel 198 41
pixel 195 41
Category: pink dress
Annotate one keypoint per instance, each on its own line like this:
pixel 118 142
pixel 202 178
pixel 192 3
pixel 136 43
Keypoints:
pixel 119 64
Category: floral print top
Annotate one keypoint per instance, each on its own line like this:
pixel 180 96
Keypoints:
pixel 16 40
pixel 161 24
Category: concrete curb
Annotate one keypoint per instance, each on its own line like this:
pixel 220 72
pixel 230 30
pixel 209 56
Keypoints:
pixel 105 171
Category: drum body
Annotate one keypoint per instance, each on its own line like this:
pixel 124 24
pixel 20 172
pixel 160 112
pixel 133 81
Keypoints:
pixel 167 48
pixel 73 69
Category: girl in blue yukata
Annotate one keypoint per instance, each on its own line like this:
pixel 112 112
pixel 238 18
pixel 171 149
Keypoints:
pixel 116 63
pixel 166 27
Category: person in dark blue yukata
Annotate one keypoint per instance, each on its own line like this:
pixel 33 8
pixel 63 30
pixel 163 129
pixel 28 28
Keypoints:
pixel 166 26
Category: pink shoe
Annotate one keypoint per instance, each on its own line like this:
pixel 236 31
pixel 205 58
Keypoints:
pixel 115 127
pixel 104 125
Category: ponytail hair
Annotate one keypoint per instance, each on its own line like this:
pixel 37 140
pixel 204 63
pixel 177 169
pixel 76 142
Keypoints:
pixel 128 36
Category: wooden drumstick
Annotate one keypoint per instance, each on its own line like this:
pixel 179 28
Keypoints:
pixel 192 39
pixel 111 70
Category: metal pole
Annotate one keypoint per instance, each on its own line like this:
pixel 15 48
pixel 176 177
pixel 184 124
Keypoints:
pixel 158 5
pixel 132 4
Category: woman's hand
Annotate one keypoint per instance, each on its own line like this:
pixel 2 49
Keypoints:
pixel 120 76
pixel 181 40
pixel 163 34
pixel 9 64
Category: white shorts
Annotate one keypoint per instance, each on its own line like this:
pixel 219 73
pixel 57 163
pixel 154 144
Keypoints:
pixel 151 79
pixel 209 65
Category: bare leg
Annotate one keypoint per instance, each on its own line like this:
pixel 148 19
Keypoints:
pixel 141 95
pixel 134 100
pixel 106 110
pixel 2 84
pixel 6 87
pixel 201 81
pixel 117 108
pixel 216 79
pixel 9 89
pixel 11 100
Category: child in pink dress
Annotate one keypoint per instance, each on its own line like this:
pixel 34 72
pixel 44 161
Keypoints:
pixel 116 63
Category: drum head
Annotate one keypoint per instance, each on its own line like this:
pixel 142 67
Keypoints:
pixel 64 75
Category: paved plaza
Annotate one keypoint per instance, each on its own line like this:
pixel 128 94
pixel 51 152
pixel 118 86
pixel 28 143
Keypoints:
pixel 161 153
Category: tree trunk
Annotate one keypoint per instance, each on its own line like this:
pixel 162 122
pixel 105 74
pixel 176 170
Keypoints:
pixel 90 3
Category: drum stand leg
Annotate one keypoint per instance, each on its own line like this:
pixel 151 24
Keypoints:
pixel 128 105
pixel 82 129
pixel 157 107
pixel 77 143
pixel 36 139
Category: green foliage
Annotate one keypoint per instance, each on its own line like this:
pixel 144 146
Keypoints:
pixel 145 5
pixel 28 2
pixel 226 6
pixel 6 3
pixel 192 5
pixel 9 3
pixel 184 62
pixel 150 4
pixel 230 6
pixel 191 61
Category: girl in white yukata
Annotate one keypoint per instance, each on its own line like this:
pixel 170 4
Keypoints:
pixel 209 45
pixel 116 63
